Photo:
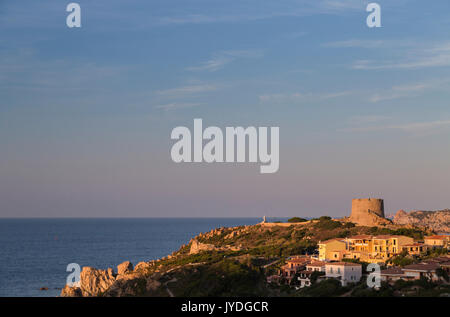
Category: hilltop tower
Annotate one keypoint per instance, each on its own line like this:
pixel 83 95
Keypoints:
pixel 361 206
pixel 368 211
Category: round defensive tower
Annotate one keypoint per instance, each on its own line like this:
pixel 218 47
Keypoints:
pixel 362 206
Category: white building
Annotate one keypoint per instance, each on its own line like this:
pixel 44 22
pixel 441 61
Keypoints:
pixel 345 272
pixel 316 266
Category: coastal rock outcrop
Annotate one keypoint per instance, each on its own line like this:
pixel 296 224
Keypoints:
pixel 128 282
pixel 438 221
pixel 125 267
pixel 197 247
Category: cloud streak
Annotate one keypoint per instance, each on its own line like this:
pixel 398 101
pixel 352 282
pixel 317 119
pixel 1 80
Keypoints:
pixel 259 11
pixel 302 97
pixel 437 56
pixel 411 127
pixel 220 59
pixel 177 106
pixel 187 90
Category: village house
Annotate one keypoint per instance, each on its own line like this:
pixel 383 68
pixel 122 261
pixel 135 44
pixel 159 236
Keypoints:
pixel 392 275
pixel 328 249
pixel 304 278
pixel 426 269
pixel 415 248
pixel 345 272
pixel 438 241
pixel 316 266
pixel 292 266
pixel 421 270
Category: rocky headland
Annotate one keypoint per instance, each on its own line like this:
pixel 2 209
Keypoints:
pixel 438 221
pixel 223 261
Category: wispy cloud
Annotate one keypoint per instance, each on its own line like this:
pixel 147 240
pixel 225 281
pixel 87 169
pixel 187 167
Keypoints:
pixel 437 56
pixel 301 97
pixel 220 59
pixel 410 127
pixel 397 92
pixel 411 90
pixel 187 90
pixel 261 11
pixel 367 119
pixel 176 106
pixel 356 43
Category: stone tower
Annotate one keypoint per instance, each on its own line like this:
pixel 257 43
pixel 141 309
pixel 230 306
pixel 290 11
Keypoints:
pixel 367 211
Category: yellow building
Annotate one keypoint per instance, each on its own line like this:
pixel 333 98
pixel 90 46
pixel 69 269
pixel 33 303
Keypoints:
pixel 367 248
pixel 328 249
pixel 415 248
pixel 377 248
pixel 437 241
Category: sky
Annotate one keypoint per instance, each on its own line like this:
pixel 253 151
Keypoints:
pixel 86 113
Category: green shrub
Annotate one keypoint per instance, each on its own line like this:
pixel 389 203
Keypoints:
pixel 297 219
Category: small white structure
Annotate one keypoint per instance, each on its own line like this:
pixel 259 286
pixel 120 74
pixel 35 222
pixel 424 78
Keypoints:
pixel 304 277
pixel 345 272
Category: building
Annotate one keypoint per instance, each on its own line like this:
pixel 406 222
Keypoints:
pixel 426 269
pixel 345 272
pixel 316 266
pixel 415 248
pixel 440 241
pixel 294 265
pixel 421 270
pixel 375 249
pixel 368 212
pixel 392 274
pixel 366 248
pixel 304 278
pixel 328 249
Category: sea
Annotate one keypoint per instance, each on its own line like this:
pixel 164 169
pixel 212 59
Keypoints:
pixel 34 253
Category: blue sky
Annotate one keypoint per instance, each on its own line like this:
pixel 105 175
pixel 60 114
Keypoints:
pixel 86 114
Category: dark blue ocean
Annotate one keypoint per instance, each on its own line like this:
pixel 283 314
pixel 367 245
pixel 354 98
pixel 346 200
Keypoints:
pixel 34 253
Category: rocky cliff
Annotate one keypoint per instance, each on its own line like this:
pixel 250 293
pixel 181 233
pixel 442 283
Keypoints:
pixel 438 221
pixel 126 282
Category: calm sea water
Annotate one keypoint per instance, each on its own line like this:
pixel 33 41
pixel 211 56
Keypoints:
pixel 34 253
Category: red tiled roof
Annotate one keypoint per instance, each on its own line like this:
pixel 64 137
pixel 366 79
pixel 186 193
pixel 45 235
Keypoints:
pixel 317 263
pixel 437 237
pixel 392 271
pixel 301 261
pixel 437 260
pixel 416 244
pixel 344 264
pixel 421 267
